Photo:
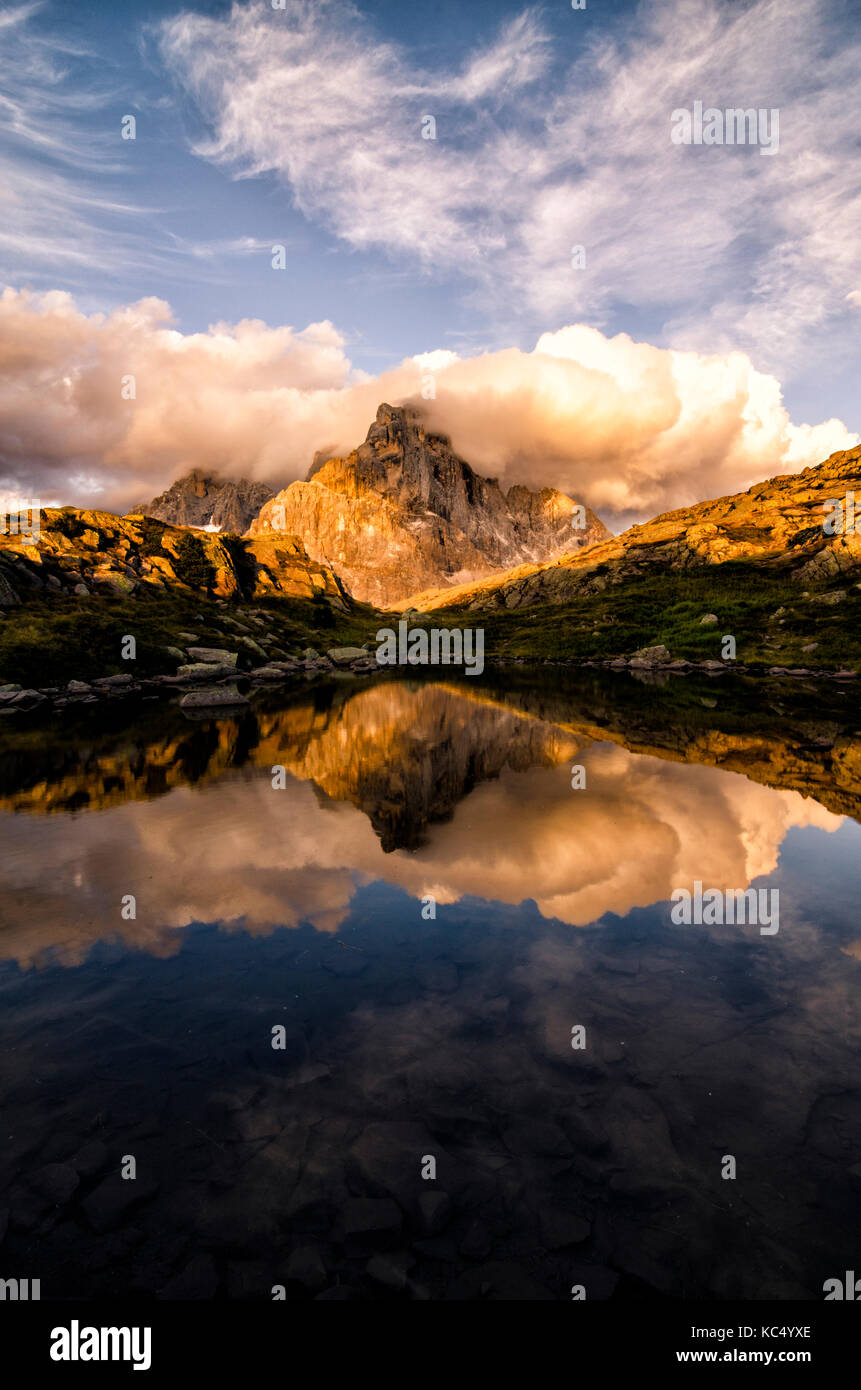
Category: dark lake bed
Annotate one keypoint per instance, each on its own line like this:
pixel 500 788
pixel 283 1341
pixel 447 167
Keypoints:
pixel 422 913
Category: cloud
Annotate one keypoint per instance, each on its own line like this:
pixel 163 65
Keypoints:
pixel 229 398
pixel 630 428
pixel 59 156
pixel 237 852
pixel 543 146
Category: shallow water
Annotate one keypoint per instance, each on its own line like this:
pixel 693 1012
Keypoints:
pixel 409 1037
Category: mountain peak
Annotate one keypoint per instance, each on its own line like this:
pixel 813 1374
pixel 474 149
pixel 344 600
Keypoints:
pixel 777 523
pixel 403 512
pixel 206 500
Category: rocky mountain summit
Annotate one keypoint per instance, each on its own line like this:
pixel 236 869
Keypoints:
pixel 779 523
pixel 403 512
pixel 200 499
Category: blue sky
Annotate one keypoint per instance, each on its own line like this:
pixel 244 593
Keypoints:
pixel 302 126
pixel 186 218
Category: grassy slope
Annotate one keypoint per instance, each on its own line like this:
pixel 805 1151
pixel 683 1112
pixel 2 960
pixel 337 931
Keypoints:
pixel 667 609
pixel 51 641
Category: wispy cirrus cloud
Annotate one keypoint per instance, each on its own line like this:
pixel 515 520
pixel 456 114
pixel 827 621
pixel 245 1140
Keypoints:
pixel 538 150
pixel 71 210
pixel 59 214
pixel 311 95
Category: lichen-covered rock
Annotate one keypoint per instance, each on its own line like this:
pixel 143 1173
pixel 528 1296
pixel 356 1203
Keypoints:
pixel 342 656
pixel 204 671
pixel 114 579
pixel 84 552
pixel 651 656
pixel 215 656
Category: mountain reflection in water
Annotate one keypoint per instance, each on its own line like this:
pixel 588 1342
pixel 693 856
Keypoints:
pixel 450 1036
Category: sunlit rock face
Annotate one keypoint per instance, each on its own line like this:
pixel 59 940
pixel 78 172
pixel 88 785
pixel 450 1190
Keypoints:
pixel 91 552
pixel 404 513
pixel 203 500
pixel 780 521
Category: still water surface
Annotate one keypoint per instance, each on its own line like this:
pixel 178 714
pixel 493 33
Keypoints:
pixel 407 1036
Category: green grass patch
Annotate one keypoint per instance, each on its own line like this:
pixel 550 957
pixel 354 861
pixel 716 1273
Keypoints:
pixel 667 609
pixel 52 641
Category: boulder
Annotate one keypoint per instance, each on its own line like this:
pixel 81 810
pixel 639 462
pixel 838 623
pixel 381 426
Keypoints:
pixel 197 1281
pixel 213 698
pixel 374 1221
pixel 26 699
pixel 267 673
pixel 213 656
pixel 559 1229
pixel 90 1159
pixel 434 1211
pixel 391 1270
pixel 651 656
pixel 114 579
pixel 386 1160
pixel 56 1181
pixel 113 1199
pixel 203 671
pixel 342 656
pixel 254 647
pixel 500 1282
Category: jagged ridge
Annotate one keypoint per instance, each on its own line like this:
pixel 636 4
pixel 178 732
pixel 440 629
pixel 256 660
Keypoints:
pixel 200 499
pixel 776 522
pixel 404 512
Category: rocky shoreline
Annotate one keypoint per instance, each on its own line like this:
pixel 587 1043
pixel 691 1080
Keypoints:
pixel 212 679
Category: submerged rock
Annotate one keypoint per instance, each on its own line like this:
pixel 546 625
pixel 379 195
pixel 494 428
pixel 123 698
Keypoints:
pixel 213 698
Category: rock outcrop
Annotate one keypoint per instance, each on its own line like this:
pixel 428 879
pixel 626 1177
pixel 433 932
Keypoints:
pixel 200 499
pixel 403 512
pixel 79 553
pixel 777 522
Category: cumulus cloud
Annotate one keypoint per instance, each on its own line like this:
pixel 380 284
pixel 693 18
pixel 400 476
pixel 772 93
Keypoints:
pixel 542 146
pixel 629 428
